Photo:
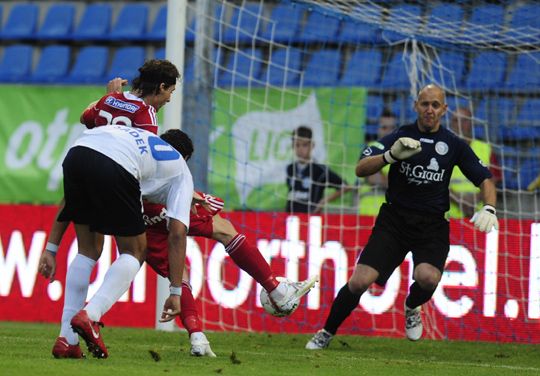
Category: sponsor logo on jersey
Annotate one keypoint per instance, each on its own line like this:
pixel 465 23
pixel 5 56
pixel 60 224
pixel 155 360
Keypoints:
pixel 121 105
pixel 441 148
pixel 367 152
pixel 150 221
pixel 419 174
pixel 426 140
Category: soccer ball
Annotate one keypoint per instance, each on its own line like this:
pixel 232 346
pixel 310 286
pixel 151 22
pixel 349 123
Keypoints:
pixel 269 305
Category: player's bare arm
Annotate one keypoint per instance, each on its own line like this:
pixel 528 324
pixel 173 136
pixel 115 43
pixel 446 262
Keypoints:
pixel 369 165
pixel 177 256
pixel 47 261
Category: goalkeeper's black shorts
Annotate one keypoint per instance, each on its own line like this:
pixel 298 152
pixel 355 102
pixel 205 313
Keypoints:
pixel 397 231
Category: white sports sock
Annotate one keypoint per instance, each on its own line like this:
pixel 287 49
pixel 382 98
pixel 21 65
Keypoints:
pixel 279 292
pixel 115 284
pixel 77 281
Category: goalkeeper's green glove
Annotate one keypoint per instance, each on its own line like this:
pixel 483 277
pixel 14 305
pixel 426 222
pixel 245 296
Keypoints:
pixel 485 219
pixel 403 148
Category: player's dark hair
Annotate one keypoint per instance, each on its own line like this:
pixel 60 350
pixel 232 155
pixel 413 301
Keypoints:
pixel 302 132
pixel 180 141
pixel 152 74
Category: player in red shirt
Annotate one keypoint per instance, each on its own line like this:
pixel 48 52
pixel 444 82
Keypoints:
pixel 128 109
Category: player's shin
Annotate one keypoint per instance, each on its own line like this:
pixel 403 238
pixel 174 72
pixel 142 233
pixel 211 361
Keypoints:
pixel 189 314
pixel 77 281
pixel 344 303
pixel 249 259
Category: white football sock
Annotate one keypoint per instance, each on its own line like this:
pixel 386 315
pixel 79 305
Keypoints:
pixel 115 284
pixel 279 292
pixel 77 281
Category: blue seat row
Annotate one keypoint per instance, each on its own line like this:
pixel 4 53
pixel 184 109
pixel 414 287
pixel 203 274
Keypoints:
pixel 293 67
pixel 54 65
pixel 95 23
pixel 325 67
pixel 287 22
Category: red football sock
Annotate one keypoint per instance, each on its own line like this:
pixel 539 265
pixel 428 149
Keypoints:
pixel 249 259
pixel 189 315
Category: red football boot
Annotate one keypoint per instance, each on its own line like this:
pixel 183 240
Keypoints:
pixel 62 349
pixel 89 331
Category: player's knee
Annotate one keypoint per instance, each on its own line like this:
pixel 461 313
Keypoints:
pixel 358 286
pixel 222 230
pixel 360 282
pixel 428 281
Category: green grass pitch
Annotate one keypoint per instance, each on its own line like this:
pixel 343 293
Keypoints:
pixel 25 350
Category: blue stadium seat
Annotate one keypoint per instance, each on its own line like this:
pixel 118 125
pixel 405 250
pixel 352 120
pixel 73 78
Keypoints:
pixel 158 30
pixel 525 18
pixel 517 134
pixel 454 68
pixel 526 73
pixel 58 22
pixel 126 62
pixel 218 19
pixel 529 170
pixel 322 68
pixel 374 107
pixel 131 23
pixel 95 23
pixel 242 68
pixel 284 25
pixel 21 22
pixel 447 14
pixel 397 14
pixel 489 17
pixel 244 25
pixel 159 53
pixel 89 66
pixel 53 64
pixel 396 76
pixel 284 67
pixel 487 72
pixel 353 31
pixel 363 69
pixel 403 108
pixel 518 173
pixel 189 69
pixel 529 112
pixel 314 31
pixel 16 63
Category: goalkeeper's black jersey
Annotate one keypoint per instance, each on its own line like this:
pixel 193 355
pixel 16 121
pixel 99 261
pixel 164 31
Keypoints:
pixel 421 182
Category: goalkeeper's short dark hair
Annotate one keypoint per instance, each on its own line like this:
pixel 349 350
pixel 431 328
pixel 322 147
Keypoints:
pixel 302 132
pixel 180 141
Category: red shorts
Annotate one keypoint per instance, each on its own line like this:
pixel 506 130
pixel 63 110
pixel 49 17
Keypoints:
pixel 156 235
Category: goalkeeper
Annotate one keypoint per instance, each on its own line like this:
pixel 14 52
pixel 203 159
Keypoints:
pixel 422 156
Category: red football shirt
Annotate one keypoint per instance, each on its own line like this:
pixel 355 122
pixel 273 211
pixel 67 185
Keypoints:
pixel 124 109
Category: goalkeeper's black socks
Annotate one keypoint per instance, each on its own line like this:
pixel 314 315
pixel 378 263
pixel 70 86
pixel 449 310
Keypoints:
pixel 417 296
pixel 344 303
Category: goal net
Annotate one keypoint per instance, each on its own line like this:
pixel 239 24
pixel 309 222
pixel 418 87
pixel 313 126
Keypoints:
pixel 340 67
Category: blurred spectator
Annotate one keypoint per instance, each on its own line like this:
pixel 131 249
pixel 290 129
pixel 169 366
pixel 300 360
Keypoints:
pixel 307 180
pixel 372 194
pixel 464 196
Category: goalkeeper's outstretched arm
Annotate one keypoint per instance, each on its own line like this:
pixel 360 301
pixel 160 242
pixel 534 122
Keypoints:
pixel 369 165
